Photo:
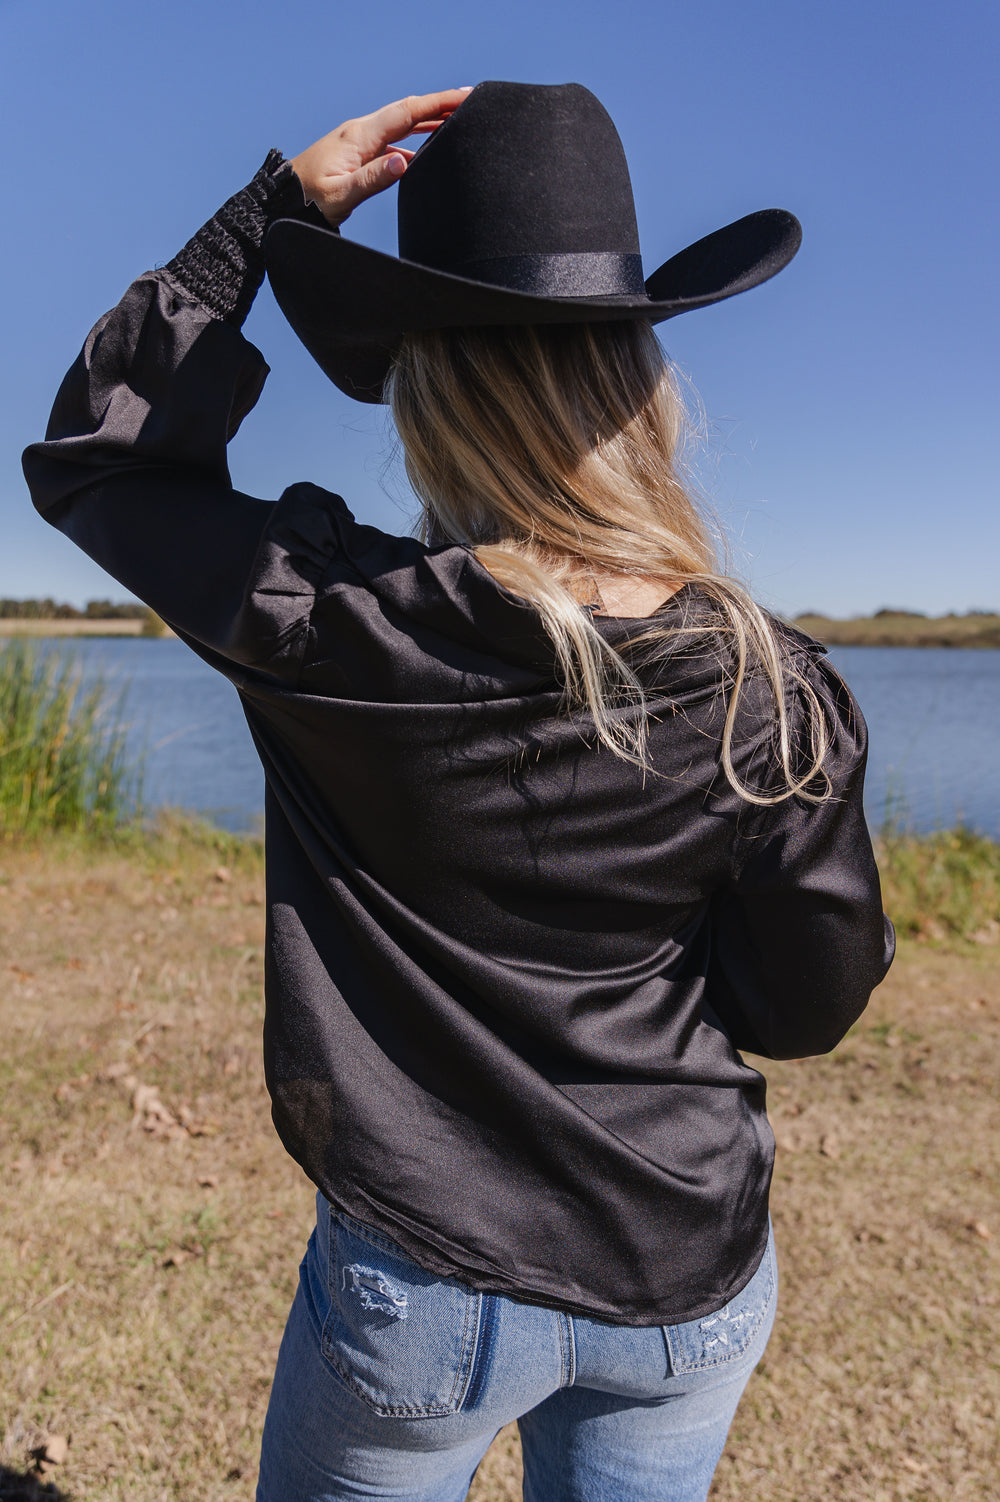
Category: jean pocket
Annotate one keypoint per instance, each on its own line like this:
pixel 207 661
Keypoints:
pixel 726 1335
pixel 403 1340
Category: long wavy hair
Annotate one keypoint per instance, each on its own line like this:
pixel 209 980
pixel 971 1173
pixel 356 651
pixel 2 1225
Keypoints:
pixel 553 450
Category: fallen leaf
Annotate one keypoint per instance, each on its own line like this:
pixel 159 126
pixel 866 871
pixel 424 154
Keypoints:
pixel 112 1072
pixel 50 1451
pixel 829 1146
pixel 223 873
pixel 149 1113
pixel 916 1466
pixel 66 1090
pixel 208 1181
pixel 979 1228
pixel 176 1258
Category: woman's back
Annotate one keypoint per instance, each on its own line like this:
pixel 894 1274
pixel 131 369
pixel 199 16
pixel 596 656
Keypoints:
pixel 510 969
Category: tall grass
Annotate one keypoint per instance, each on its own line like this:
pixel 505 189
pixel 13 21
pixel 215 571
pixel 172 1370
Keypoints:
pixel 943 886
pixel 63 761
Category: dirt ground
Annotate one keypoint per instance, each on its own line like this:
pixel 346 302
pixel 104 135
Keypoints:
pixel 151 1225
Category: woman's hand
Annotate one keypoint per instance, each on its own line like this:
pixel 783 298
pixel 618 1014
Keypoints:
pixel 353 162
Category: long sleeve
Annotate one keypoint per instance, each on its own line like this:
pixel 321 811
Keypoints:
pixel 133 467
pixel 800 940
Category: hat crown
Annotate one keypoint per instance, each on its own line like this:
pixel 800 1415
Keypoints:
pixel 519 170
pixel 517 210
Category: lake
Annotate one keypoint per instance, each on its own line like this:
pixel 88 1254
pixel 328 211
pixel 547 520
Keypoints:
pixel 933 716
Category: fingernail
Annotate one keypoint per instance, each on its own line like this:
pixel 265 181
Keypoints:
pixel 397 165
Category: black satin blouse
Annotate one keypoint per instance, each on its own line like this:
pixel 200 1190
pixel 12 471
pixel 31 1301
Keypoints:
pixel 508 976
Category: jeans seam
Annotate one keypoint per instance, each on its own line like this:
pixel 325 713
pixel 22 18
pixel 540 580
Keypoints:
pixel 567 1350
pixel 482 1352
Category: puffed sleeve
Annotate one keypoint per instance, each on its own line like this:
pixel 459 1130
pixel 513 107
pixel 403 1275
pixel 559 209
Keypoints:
pixel 133 466
pixel 800 938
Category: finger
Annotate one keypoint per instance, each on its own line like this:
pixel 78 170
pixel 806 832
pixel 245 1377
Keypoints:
pixel 403 118
pixel 372 178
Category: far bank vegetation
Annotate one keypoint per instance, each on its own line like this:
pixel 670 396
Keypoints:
pixel 904 628
pixel 48 617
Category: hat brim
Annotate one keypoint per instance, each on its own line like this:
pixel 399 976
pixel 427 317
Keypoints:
pixel 351 305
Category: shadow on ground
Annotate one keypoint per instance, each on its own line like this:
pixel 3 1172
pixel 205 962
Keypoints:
pixel 24 1486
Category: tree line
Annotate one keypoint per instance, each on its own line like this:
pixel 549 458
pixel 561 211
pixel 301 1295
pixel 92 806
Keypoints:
pixel 52 610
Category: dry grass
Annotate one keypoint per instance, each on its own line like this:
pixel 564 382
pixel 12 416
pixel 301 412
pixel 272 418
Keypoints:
pixel 149 626
pixel 80 627
pixel 901 628
pixel 146 1267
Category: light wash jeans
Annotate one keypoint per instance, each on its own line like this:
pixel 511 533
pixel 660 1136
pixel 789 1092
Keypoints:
pixel 392 1382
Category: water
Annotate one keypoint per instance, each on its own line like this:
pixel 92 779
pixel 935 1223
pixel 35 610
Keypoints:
pixel 186 724
pixel 933 717
pixel 934 733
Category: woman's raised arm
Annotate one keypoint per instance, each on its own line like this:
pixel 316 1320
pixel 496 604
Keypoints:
pixel 133 466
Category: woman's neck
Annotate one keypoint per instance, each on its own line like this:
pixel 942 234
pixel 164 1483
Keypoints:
pixel 621 594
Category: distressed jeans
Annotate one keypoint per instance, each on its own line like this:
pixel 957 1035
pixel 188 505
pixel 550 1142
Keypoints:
pixel 392 1382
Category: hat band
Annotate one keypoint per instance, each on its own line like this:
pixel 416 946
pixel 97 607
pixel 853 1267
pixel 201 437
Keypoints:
pixel 587 273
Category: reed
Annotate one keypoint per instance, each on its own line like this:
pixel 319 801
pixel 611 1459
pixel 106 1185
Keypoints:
pixel 63 763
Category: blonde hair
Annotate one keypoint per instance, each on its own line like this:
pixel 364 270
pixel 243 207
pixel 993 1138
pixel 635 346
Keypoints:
pixel 553 450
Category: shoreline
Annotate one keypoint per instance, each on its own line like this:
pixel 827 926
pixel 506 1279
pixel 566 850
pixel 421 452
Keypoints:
pixel 886 629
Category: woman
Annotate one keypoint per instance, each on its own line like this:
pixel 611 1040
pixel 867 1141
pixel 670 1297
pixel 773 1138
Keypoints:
pixel 557 819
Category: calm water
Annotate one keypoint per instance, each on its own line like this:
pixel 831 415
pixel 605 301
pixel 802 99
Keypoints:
pixel 933 716
pixel 934 732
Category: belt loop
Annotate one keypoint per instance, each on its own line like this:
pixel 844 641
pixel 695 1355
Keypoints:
pixel 567 1350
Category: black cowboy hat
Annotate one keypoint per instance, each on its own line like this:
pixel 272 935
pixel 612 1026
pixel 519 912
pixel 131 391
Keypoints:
pixel 517 210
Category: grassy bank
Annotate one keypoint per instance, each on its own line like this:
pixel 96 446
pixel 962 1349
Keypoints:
pixel 943 888
pixel 904 628
pixel 62 748
pixel 152 1225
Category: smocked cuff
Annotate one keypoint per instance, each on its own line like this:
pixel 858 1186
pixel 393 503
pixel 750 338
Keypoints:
pixel 222 266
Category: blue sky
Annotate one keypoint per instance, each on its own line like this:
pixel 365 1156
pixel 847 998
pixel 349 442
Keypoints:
pixel 851 402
